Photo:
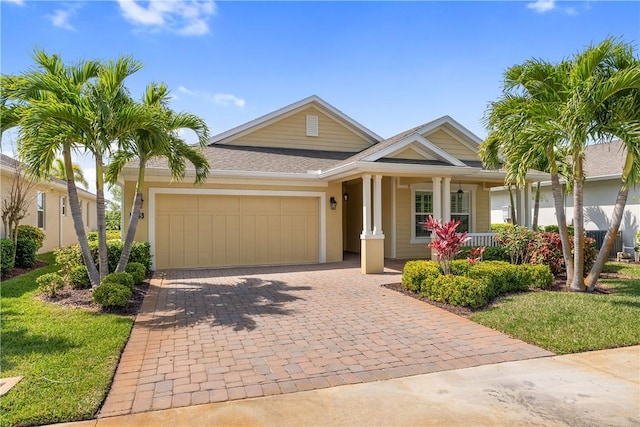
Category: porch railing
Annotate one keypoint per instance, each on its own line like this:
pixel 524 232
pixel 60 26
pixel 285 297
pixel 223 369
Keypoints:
pixel 481 239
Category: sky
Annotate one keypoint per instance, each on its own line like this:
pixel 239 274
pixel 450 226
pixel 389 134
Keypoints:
pixel 388 65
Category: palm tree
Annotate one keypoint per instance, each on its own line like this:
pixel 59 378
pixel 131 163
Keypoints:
pixel 144 145
pixel 59 171
pixel 48 107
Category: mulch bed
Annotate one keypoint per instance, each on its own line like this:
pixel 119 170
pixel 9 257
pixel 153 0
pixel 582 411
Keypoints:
pixel 559 285
pixel 17 271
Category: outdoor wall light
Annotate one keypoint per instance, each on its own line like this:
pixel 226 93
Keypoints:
pixel 345 197
pixel 333 203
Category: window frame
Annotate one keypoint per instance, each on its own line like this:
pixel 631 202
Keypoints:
pixel 468 213
pixel 419 188
pixel 41 206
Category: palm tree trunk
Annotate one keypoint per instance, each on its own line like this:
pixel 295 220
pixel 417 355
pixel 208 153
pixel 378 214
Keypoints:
pixel 78 225
pixel 536 208
pixel 133 221
pixel 558 203
pixel 616 219
pixel 514 219
pixel 577 284
pixel 101 220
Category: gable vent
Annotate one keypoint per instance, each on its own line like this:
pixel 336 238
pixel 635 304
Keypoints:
pixel 312 125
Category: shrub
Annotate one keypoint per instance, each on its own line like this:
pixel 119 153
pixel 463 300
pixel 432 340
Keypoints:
pixel 536 276
pixel 447 242
pixel 516 242
pixel 137 272
pixel 546 249
pixel 79 277
pixel 6 256
pixel 32 233
pixel 501 227
pixel 495 253
pixel 68 258
pixel 25 252
pixel 112 294
pixel 111 235
pixel 415 272
pixel 460 290
pixel 123 278
pixel 49 284
pixel 140 252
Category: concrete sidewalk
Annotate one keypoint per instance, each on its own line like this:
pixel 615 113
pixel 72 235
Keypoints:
pixel 587 389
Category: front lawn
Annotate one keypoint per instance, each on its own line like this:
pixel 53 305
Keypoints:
pixel 568 322
pixel 66 355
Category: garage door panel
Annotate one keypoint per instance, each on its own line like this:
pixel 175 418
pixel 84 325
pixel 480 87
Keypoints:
pixel 235 230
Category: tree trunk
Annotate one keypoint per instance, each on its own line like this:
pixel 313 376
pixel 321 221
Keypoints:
pixel 536 208
pixel 577 284
pixel 78 225
pixel 558 203
pixel 616 219
pixel 133 221
pixel 514 219
pixel 101 220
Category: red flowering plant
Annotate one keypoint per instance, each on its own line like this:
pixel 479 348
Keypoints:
pixel 447 241
pixel 475 254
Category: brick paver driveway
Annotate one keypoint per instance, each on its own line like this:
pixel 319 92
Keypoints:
pixel 213 335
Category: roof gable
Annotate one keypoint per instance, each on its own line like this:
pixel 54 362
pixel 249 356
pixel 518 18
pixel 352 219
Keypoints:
pixel 420 145
pixel 286 128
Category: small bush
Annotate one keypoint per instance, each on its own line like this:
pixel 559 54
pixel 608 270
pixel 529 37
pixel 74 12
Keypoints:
pixel 25 253
pixel 491 253
pixel 49 284
pixel 137 271
pixel 6 256
pixel 516 240
pixel 416 272
pixel 501 227
pixel 537 276
pixel 112 294
pixel 140 252
pixel 123 278
pixel 32 233
pixel 79 277
pixel 460 290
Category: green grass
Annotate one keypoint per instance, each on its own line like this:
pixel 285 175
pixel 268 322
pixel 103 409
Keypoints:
pixel 565 322
pixel 66 355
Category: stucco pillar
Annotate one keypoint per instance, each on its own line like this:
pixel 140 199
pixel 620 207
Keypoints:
pixel 366 205
pixel 446 199
pixel 437 197
pixel 371 244
pixel 377 205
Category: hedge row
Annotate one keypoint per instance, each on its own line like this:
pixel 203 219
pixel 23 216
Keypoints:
pixel 473 285
pixel 140 253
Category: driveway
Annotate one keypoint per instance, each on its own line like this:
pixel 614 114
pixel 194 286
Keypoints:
pixel 207 336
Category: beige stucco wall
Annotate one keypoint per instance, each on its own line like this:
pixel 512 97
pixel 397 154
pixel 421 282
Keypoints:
pixel 333 217
pixel 58 228
pixel 290 132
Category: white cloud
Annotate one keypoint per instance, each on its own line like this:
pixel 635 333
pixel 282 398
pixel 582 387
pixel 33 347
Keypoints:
pixel 542 6
pixel 18 2
pixel 185 17
pixel 223 99
pixel 227 99
pixel 60 18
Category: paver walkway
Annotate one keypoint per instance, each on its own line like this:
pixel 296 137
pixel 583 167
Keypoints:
pixel 214 335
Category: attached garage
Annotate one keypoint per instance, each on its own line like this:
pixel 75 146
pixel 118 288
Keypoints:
pixel 215 230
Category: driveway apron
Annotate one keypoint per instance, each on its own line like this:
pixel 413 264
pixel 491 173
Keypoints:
pixel 223 334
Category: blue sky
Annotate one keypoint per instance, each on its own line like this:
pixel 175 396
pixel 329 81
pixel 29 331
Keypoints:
pixel 389 65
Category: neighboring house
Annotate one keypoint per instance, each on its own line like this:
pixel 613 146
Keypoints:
pixel 306 183
pixel 603 171
pixel 49 207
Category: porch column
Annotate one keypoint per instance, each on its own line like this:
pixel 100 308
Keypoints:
pixel 446 199
pixel 366 205
pixel 371 242
pixel 377 205
pixel 437 197
pixel 522 212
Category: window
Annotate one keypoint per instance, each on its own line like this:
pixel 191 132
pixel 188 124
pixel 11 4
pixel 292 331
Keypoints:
pixel 40 199
pixel 87 210
pixel 460 210
pixel 423 207
pixel 63 206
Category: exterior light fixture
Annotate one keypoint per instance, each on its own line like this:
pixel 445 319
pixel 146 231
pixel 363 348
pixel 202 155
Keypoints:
pixel 333 203
pixel 345 197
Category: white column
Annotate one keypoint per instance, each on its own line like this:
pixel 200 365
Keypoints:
pixel 446 199
pixel 377 205
pixel 437 197
pixel 366 205
pixel 522 211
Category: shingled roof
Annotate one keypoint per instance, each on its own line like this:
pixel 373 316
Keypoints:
pixel 604 159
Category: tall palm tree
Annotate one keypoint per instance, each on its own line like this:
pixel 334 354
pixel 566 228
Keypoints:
pixel 144 145
pixel 59 171
pixel 50 113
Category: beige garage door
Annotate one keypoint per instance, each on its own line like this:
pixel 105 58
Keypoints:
pixel 212 231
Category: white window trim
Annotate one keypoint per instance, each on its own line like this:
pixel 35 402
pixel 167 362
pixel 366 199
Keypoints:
pixel 43 210
pixel 414 188
pixel 322 206
pixel 470 213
